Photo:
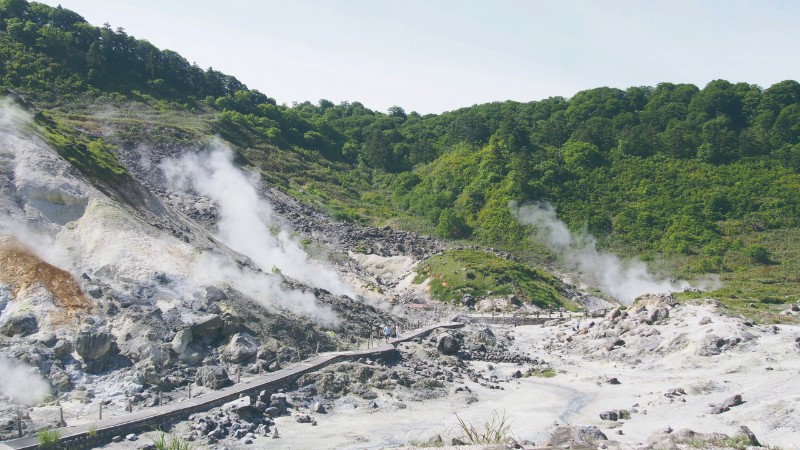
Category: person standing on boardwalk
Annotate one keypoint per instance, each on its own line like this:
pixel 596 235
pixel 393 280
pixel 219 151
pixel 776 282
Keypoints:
pixel 387 331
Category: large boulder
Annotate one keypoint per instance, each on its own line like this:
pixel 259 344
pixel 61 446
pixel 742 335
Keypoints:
pixel 95 344
pixel 214 377
pixel 448 344
pixel 19 324
pixel 241 347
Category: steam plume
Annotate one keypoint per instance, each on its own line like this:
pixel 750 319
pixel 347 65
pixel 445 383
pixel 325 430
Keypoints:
pixel 12 117
pixel 19 383
pixel 211 269
pixel 246 221
pixel 624 280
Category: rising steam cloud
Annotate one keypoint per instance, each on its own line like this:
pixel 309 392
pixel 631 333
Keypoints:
pixel 12 117
pixel 246 222
pixel 624 280
pixel 20 383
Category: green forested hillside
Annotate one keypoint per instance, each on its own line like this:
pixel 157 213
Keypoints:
pixel 703 178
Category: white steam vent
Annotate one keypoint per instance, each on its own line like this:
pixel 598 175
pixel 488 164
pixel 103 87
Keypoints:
pixel 624 280
pixel 20 383
pixel 246 221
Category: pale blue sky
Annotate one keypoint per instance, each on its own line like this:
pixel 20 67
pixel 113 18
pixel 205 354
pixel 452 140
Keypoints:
pixel 437 55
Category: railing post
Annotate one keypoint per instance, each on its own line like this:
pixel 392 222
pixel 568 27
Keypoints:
pixel 19 422
pixel 101 409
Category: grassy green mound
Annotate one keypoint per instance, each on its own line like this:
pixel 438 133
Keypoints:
pixel 472 272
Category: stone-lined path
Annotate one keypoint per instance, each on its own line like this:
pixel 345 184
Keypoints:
pixel 151 418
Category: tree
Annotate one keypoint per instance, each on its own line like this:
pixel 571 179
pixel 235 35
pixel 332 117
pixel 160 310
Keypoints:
pixel 396 111
pixel 451 225
pixel 377 150
pixel 580 156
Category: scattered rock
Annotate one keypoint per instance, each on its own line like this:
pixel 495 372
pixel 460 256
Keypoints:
pixel 729 403
pixel 613 342
pixel 609 415
pixel 435 441
pixel 568 435
pixel 302 418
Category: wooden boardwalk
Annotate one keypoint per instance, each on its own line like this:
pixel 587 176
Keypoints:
pixel 151 418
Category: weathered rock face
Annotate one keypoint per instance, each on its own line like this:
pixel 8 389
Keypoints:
pixel 94 344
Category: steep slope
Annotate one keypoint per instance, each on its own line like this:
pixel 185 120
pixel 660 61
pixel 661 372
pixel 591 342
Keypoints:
pixel 126 286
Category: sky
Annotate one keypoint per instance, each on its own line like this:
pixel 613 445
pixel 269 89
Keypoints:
pixel 432 56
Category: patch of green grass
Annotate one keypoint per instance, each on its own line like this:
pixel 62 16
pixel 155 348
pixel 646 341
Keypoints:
pixel 170 441
pixel 546 373
pixel 461 272
pixel 740 442
pixel 48 439
pixel 93 157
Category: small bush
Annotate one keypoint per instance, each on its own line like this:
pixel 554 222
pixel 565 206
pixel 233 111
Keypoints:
pixel 170 441
pixel 493 432
pixel 49 438
pixel 758 254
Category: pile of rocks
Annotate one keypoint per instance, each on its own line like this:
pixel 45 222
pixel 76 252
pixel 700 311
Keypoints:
pixel 243 419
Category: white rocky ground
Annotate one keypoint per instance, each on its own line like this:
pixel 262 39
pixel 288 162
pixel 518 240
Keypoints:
pixel 668 375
